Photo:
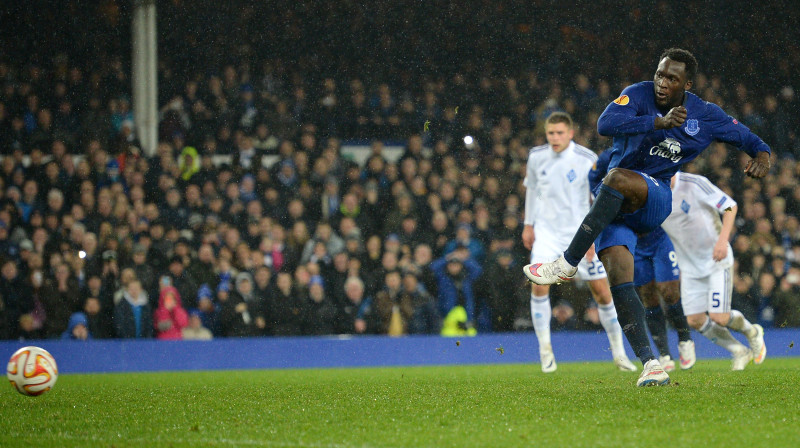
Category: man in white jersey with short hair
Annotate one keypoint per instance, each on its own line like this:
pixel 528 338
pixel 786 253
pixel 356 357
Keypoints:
pixel 556 200
pixel 701 242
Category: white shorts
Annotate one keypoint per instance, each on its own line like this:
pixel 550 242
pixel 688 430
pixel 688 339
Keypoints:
pixel 544 250
pixel 711 293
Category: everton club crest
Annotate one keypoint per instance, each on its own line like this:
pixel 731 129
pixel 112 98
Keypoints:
pixel 692 127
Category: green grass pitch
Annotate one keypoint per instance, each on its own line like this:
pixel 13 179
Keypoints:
pixel 583 404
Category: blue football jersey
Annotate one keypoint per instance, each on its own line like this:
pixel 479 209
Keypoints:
pixel 659 153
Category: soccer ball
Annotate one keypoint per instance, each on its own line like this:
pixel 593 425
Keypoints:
pixel 32 371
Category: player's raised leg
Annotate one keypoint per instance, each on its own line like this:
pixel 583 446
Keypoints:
pixel 622 190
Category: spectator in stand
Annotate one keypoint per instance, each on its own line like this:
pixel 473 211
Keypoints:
pixel 786 301
pixel 60 298
pixel 320 311
pixel 77 329
pixel 355 312
pixel 499 287
pixel 170 317
pixel 236 317
pixel 182 280
pixel 97 322
pixel 425 318
pixel 394 309
pixel 327 237
pixel 195 331
pixel 133 317
pixel 456 274
pixel 15 294
pixel 463 238
pixel 286 306
pixel 766 291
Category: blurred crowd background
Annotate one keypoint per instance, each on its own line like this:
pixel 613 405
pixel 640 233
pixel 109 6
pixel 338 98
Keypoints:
pixel 249 221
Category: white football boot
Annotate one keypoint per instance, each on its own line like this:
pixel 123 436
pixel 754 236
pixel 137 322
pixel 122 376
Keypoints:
pixel 652 375
pixel 741 358
pixel 623 363
pixel 547 358
pixel 757 344
pixel 554 272
pixel 667 363
pixel 688 356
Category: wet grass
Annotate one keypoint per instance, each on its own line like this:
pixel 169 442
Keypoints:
pixel 583 404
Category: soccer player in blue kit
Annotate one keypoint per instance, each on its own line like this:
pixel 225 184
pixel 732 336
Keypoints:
pixel 656 273
pixel 656 126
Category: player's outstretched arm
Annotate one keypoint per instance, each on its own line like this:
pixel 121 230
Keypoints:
pixel 729 130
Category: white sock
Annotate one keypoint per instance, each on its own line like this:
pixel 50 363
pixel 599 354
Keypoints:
pixel 608 319
pixel 739 323
pixel 541 313
pixel 721 336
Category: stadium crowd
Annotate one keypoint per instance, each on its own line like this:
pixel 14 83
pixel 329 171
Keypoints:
pixel 204 240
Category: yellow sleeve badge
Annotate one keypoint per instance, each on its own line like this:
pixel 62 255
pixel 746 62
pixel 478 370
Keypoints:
pixel 622 100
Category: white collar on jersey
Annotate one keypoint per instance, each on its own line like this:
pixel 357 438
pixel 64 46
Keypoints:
pixel 566 150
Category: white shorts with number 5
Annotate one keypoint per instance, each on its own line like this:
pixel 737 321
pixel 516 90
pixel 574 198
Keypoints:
pixel 544 250
pixel 711 293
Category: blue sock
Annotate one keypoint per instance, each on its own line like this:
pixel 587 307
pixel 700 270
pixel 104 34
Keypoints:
pixel 678 320
pixel 630 313
pixel 603 211
pixel 657 324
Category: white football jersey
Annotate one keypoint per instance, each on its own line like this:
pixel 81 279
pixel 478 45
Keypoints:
pixel 558 191
pixel 694 224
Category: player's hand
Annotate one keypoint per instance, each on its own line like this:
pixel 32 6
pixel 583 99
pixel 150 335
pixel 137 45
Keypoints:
pixel 758 166
pixel 674 118
pixel 590 253
pixel 720 250
pixel 528 237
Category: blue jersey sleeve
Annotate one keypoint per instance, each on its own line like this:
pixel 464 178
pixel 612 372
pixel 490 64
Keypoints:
pixel 600 169
pixel 727 129
pixel 623 116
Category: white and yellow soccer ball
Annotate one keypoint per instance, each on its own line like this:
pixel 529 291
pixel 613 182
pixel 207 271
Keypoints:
pixel 32 371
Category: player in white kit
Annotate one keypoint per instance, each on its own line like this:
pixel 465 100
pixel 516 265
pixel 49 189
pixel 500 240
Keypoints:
pixel 706 259
pixel 557 198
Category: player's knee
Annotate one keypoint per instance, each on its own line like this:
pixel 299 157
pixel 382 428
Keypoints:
pixel 670 292
pixel 617 179
pixel 696 321
pixel 601 293
pixel 650 301
pixel 540 290
pixel 720 318
pixel 603 298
